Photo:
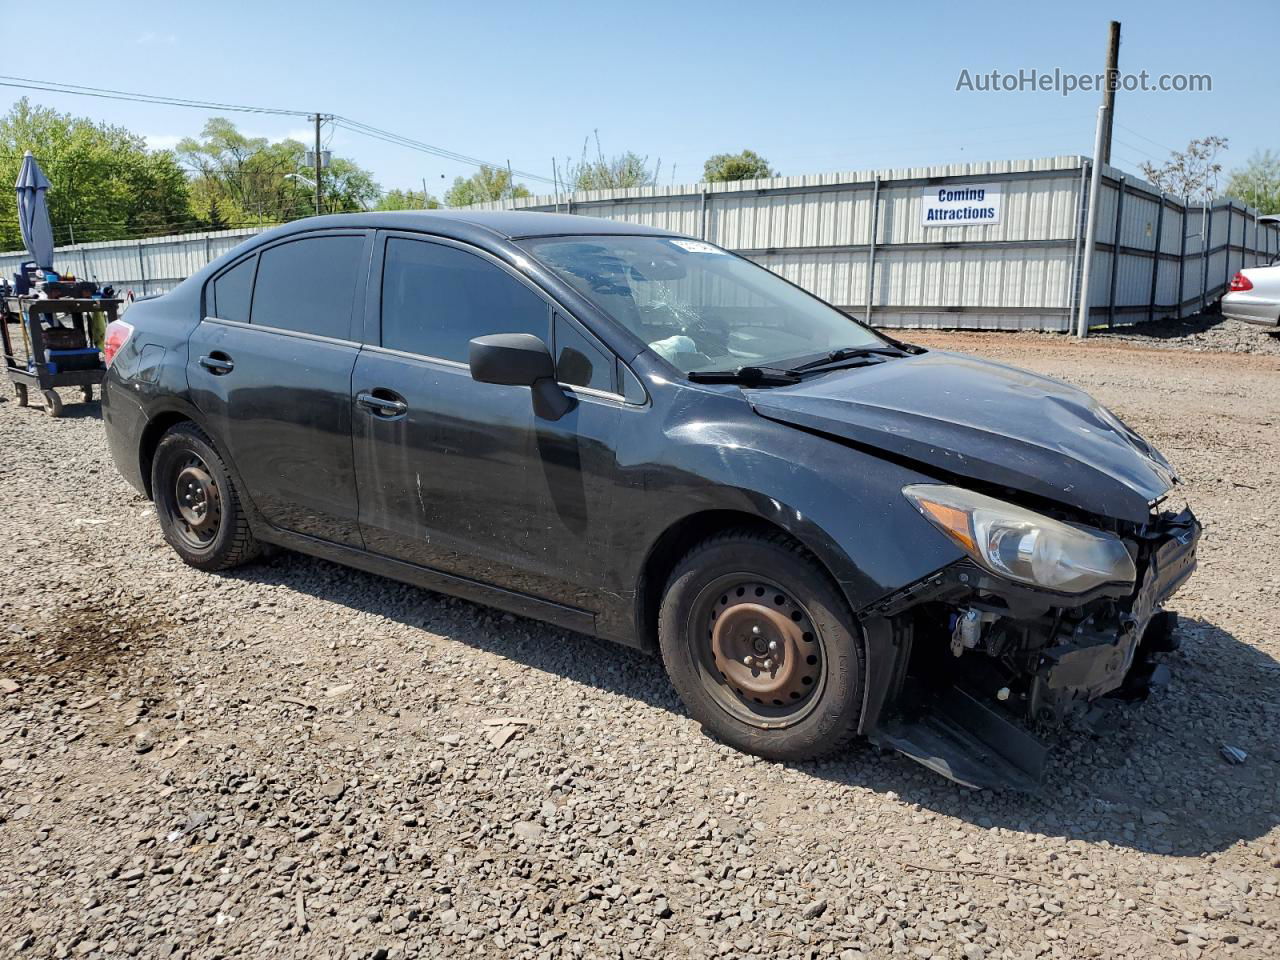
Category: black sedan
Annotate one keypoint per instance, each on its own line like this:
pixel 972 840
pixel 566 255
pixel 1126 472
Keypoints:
pixel 825 532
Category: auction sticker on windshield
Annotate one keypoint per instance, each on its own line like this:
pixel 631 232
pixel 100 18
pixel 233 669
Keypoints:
pixel 697 246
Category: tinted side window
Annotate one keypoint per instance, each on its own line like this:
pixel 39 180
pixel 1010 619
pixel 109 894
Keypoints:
pixel 579 362
pixel 231 292
pixel 436 298
pixel 308 285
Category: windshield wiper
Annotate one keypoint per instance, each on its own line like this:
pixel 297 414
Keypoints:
pixel 849 353
pixel 750 376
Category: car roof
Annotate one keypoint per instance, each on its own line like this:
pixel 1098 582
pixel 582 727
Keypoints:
pixel 464 224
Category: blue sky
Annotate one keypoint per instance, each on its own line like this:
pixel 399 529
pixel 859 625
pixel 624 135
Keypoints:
pixel 812 86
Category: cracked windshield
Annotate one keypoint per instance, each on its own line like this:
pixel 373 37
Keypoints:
pixel 698 306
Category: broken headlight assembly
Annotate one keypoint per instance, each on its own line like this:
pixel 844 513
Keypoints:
pixel 1022 545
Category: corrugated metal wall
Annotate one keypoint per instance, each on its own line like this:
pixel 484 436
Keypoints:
pixel 153 265
pixel 858 241
pixel 1174 257
pixel 1020 273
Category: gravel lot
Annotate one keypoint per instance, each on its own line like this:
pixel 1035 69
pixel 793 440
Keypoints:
pixel 1209 332
pixel 295 759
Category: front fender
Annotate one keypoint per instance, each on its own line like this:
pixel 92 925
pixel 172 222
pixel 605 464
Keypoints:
pixel 845 505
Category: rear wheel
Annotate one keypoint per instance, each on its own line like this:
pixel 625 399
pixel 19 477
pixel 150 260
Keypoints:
pixel 197 502
pixel 52 403
pixel 762 648
pixel 21 390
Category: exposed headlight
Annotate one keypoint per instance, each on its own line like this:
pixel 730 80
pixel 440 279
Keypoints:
pixel 1023 545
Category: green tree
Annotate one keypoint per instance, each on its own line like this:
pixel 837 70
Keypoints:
pixel 159 188
pixel 407 200
pixel 1257 183
pixel 348 187
pixel 214 219
pixel 487 183
pixel 104 184
pixel 255 180
pixel 627 169
pixel 747 165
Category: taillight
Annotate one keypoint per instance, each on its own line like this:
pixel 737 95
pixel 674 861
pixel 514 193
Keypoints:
pixel 117 335
pixel 1240 283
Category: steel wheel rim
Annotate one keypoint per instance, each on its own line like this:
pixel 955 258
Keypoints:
pixel 196 506
pixel 758 651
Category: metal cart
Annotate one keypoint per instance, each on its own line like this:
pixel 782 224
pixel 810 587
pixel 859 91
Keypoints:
pixel 60 356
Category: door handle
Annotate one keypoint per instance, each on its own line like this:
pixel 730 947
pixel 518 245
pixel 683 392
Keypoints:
pixel 383 406
pixel 217 363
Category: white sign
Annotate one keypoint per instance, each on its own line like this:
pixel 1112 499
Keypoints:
pixel 960 205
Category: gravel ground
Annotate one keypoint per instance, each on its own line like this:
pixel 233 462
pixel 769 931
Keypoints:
pixel 296 759
pixel 1204 332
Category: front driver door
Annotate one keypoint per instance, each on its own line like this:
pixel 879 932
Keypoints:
pixel 461 476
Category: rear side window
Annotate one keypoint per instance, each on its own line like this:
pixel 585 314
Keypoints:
pixel 231 292
pixel 579 362
pixel 435 298
pixel 308 285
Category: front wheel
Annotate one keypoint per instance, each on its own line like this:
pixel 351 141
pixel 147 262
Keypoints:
pixel 197 502
pixel 762 648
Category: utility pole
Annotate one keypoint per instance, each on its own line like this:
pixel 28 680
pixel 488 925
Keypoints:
pixel 317 159
pixel 1091 224
pixel 1109 92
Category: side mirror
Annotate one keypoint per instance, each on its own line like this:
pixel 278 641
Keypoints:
pixel 520 360
pixel 511 359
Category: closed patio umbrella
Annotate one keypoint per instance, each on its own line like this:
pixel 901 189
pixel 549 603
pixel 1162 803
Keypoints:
pixel 33 212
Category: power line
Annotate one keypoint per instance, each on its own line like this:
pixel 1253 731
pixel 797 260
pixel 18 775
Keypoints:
pixel 1134 164
pixel 1146 138
pixel 106 93
pixel 354 126
pixel 1134 146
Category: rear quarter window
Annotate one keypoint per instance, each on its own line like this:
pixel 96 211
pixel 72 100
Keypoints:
pixel 230 291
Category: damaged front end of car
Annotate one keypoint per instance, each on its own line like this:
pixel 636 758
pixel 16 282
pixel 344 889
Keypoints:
pixel 1047 622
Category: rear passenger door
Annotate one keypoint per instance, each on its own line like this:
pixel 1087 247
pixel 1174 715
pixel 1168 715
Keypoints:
pixel 462 476
pixel 270 367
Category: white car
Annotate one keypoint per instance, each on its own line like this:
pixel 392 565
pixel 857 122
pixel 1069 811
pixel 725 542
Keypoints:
pixel 1254 296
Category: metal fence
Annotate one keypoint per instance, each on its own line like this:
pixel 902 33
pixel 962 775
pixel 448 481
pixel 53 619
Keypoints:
pixel 862 242
pixel 152 265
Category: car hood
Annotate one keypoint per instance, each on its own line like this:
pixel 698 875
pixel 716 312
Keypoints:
pixel 983 421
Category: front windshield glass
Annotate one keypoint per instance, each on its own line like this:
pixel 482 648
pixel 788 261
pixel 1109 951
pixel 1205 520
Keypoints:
pixel 698 306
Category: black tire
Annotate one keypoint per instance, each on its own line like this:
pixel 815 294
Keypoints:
pixel 52 403
pixel 21 390
pixel 714 604
pixel 86 391
pixel 205 523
